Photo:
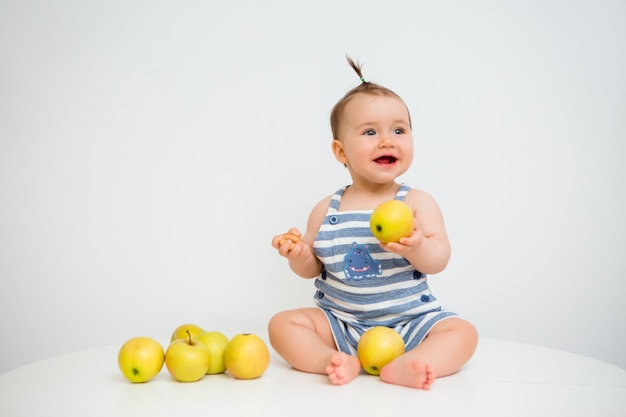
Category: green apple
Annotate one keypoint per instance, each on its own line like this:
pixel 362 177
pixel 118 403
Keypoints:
pixel 140 359
pixel 181 331
pixel 187 360
pixel 215 343
pixel 246 356
pixel 391 221
pixel 377 347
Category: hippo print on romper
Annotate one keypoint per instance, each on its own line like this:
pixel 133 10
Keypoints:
pixel 358 263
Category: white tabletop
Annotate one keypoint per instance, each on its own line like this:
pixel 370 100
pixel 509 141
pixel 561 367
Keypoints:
pixel 503 379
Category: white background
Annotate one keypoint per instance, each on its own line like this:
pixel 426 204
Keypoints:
pixel 150 150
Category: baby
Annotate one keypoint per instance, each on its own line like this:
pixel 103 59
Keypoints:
pixel 372 138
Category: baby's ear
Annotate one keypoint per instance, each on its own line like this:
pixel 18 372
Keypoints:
pixel 338 151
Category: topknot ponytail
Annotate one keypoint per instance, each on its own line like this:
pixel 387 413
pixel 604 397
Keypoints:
pixel 357 68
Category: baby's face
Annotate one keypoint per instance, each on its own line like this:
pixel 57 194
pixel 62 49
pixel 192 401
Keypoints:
pixel 376 142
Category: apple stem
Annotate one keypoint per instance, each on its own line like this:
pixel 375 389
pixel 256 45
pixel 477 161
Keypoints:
pixel 189 336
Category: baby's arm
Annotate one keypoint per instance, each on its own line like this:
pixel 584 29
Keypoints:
pixel 428 247
pixel 299 249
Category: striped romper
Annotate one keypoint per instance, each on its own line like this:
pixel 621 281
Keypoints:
pixel 362 286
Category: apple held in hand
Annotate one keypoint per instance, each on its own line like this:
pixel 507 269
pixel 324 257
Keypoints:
pixel 187 360
pixel 181 331
pixel 377 347
pixel 215 343
pixel 246 356
pixel 391 221
pixel 140 359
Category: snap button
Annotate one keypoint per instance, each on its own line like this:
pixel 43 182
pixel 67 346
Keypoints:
pixel 425 298
pixel 333 219
pixel 417 275
pixel 324 274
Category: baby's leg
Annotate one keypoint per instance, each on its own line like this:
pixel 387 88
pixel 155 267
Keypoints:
pixel 303 338
pixel 448 346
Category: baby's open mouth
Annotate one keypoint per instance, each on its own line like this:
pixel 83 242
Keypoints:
pixel 386 160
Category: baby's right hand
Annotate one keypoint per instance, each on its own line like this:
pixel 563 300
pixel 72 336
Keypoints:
pixel 290 244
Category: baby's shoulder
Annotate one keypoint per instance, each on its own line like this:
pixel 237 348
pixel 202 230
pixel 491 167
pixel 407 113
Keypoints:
pixel 417 197
pixel 316 217
pixel 322 206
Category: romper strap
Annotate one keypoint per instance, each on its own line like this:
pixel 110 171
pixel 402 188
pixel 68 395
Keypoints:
pixel 335 199
pixel 402 192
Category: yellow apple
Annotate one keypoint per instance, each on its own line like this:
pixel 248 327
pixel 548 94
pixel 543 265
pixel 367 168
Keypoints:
pixel 215 343
pixel 187 360
pixel 246 356
pixel 181 331
pixel 140 359
pixel 377 347
pixel 391 221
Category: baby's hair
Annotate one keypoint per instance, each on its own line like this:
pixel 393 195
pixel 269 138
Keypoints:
pixel 357 68
pixel 365 87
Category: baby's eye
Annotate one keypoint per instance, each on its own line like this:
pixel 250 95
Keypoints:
pixel 398 131
pixel 369 132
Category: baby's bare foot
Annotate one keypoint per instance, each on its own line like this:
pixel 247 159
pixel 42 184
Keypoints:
pixel 342 368
pixel 414 374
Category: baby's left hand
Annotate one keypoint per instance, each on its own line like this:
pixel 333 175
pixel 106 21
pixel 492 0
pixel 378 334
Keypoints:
pixel 406 245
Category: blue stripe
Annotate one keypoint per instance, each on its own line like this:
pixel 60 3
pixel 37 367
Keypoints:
pixel 379 317
pixel 373 282
pixel 326 287
pixel 342 233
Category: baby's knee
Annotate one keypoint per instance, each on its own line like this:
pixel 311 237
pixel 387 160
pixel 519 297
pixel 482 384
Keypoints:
pixel 468 332
pixel 458 326
pixel 274 322
pixel 279 322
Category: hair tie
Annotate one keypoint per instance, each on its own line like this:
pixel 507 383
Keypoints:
pixel 362 79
